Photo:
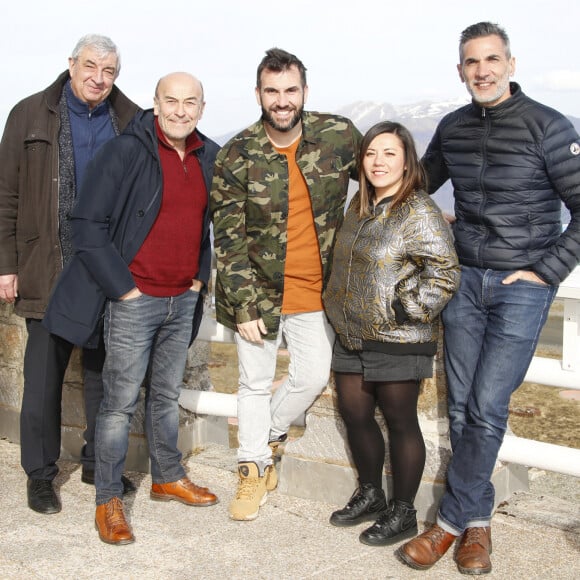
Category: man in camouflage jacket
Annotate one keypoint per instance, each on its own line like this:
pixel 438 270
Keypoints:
pixel 278 199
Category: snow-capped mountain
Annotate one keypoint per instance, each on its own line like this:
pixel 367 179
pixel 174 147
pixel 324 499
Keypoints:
pixel 422 116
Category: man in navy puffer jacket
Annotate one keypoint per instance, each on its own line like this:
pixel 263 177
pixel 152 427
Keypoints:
pixel 512 162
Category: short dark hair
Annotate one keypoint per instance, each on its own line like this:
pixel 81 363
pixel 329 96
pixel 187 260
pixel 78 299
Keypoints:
pixel 483 29
pixel 414 178
pixel 279 60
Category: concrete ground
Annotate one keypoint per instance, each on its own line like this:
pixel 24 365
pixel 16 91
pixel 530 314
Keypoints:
pixel 536 535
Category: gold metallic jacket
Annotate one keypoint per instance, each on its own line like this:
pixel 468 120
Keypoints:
pixel 392 274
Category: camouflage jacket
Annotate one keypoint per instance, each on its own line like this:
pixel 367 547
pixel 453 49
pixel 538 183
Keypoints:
pixel 249 202
pixel 392 275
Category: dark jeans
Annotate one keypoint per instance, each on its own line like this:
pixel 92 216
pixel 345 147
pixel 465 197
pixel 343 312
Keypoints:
pixel 491 333
pixel 143 336
pixel 45 361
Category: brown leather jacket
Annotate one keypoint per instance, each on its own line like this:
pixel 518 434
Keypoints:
pixel 29 181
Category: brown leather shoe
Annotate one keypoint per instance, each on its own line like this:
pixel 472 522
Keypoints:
pixel 184 491
pixel 472 556
pixel 426 549
pixel 111 523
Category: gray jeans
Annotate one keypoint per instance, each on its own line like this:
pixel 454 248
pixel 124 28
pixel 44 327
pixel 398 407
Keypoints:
pixel 263 416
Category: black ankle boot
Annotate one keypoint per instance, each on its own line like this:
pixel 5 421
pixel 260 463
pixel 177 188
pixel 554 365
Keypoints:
pixel 398 523
pixel 364 505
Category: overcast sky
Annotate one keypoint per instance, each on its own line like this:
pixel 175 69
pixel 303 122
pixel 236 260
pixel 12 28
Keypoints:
pixel 399 52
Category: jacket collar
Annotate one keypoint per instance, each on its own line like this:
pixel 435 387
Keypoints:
pixel 504 107
pixel 54 91
pixel 262 142
pixel 143 127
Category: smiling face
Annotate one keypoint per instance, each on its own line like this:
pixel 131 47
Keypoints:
pixel 384 165
pixel 281 97
pixel 485 69
pixel 92 75
pixel 178 104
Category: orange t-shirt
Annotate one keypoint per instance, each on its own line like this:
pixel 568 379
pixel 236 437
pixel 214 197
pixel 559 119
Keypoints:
pixel 303 268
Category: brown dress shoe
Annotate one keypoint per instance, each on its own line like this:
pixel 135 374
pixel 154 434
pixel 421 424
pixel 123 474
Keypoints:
pixel 184 491
pixel 426 549
pixel 111 523
pixel 472 556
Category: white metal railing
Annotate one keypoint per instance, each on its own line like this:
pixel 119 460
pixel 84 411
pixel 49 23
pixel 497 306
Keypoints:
pixel 564 373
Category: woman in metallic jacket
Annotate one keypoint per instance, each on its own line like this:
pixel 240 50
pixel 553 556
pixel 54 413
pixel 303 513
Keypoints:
pixel 393 271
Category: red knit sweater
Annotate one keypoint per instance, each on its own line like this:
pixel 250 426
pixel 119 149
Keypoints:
pixel 168 260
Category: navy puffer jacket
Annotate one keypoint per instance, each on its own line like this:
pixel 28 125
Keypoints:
pixel 511 167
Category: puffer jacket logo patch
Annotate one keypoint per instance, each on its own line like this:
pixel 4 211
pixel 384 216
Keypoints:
pixel 575 148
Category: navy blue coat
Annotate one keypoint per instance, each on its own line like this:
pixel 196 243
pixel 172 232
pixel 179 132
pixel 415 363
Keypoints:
pixel 511 166
pixel 116 207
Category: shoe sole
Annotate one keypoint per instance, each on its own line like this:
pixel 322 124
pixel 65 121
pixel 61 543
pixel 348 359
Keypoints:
pixel 473 571
pixel 250 517
pixel 157 497
pixel 111 543
pixel 410 533
pixel 410 562
pixel 46 512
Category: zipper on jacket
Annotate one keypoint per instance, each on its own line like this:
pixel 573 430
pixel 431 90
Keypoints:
pixel 484 154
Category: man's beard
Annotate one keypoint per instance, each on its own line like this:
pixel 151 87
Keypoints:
pixel 502 85
pixel 288 126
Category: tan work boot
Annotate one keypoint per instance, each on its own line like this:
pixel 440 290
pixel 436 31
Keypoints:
pixel 277 447
pixel 111 523
pixel 251 493
pixel 271 478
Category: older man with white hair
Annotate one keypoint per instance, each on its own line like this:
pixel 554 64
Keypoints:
pixel 48 140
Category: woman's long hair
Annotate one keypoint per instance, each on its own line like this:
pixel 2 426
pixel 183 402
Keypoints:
pixel 414 176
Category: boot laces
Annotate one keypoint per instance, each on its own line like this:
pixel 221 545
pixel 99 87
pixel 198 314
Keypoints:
pixel 474 536
pixel 357 499
pixel 115 514
pixel 387 516
pixel 435 535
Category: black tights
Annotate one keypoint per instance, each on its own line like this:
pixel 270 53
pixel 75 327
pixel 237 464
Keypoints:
pixel 357 400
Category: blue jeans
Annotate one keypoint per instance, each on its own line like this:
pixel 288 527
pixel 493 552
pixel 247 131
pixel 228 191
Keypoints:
pixel 491 333
pixel 143 336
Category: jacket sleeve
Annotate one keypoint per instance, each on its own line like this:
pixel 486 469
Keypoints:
pixel 357 138
pixel 207 161
pixel 228 206
pixel 434 164
pixel 10 152
pixel 93 221
pixel 561 148
pixel 428 241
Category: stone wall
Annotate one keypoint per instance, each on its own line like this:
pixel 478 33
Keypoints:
pixel 12 341
pixel 194 430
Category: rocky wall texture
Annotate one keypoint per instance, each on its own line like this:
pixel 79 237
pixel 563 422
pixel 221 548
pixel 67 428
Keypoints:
pixel 12 345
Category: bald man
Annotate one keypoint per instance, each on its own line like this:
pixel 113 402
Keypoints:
pixel 142 256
